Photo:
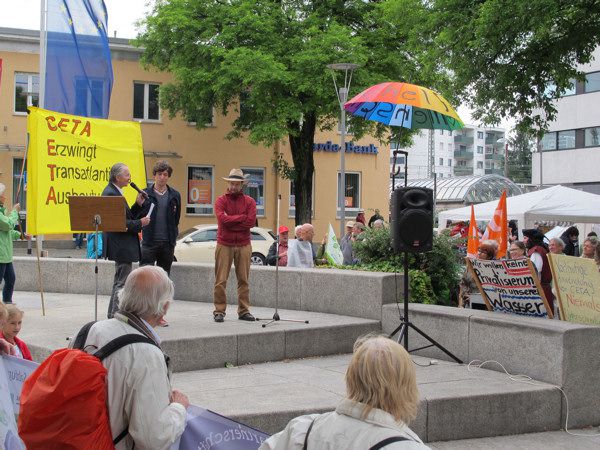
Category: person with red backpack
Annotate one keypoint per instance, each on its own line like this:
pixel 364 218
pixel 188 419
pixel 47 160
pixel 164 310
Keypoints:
pixel 116 393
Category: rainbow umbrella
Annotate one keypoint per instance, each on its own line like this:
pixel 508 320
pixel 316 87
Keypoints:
pixel 404 105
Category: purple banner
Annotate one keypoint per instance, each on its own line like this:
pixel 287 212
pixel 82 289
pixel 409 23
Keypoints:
pixel 208 430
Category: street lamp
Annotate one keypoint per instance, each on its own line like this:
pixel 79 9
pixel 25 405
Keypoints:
pixel 342 93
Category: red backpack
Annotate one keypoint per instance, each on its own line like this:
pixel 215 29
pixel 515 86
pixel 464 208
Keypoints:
pixel 63 402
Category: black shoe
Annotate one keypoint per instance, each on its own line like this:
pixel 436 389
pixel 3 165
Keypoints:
pixel 219 317
pixel 248 317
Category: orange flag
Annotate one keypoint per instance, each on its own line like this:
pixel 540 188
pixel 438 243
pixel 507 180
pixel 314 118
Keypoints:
pixel 497 228
pixel 473 236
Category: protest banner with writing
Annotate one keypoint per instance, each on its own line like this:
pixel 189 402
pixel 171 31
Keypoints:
pixel 333 251
pixel 13 372
pixel 577 284
pixel 510 286
pixel 208 430
pixel 72 155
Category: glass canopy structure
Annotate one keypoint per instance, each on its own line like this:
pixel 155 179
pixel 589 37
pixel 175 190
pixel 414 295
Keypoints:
pixel 470 189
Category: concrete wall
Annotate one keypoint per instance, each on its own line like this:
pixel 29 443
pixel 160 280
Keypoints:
pixel 560 353
pixel 344 292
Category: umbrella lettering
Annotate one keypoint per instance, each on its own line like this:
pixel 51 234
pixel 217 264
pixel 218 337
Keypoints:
pixel 366 110
pixel 409 95
pixel 442 100
pixel 402 116
pixel 384 110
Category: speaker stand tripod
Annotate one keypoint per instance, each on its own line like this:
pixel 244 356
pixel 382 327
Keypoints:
pixel 276 317
pixel 405 323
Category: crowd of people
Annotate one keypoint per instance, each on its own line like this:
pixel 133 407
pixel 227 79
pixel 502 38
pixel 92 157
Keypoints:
pixel 535 246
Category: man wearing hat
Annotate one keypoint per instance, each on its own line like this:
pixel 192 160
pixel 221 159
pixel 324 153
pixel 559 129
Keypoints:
pixel 236 215
pixel 537 251
pixel 283 233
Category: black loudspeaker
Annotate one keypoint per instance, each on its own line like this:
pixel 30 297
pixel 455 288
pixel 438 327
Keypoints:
pixel 412 219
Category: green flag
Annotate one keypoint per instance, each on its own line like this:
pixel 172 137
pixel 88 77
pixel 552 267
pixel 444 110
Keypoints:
pixel 333 252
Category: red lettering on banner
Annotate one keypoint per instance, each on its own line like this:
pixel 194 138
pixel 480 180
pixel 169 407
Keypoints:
pixel 51 148
pixel 75 125
pixel 87 129
pixel 51 167
pixel 50 119
pixel 63 125
pixel 51 196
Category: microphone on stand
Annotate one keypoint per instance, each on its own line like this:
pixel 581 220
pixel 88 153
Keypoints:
pixel 133 185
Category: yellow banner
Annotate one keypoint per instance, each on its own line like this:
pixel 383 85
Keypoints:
pixel 72 155
pixel 577 284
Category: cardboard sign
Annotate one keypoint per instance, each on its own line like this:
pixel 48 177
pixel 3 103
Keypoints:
pixel 510 286
pixel 577 284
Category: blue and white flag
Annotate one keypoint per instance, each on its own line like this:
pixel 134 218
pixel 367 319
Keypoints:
pixel 78 70
pixel 208 430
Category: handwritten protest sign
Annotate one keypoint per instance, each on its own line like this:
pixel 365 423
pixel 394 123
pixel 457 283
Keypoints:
pixel 13 372
pixel 72 155
pixel 208 430
pixel 577 284
pixel 510 286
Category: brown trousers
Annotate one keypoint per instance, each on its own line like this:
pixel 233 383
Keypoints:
pixel 240 257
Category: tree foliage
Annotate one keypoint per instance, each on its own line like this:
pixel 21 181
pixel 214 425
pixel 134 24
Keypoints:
pixel 520 148
pixel 273 55
pixel 510 58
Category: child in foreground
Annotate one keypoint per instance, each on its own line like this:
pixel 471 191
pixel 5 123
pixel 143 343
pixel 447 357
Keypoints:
pixel 10 328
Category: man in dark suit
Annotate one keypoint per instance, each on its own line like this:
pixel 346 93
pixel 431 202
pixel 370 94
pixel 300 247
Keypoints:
pixel 123 247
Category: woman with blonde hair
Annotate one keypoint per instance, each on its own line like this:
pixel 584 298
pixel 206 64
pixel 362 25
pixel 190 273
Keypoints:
pixel 382 397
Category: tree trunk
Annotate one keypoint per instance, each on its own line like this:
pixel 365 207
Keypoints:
pixel 302 155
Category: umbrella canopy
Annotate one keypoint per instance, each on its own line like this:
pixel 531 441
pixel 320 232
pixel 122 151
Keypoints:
pixel 405 105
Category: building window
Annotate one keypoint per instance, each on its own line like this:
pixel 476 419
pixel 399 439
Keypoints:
pixel 85 92
pixel 592 137
pixel 549 141
pixel 27 91
pixel 256 188
pixel 351 195
pixel 566 139
pixel 200 190
pixel 399 160
pixel 592 82
pixel 292 199
pixel 450 147
pixel 449 162
pixel 17 185
pixel 461 162
pixel 450 132
pixel 207 115
pixel 480 135
pixel 480 149
pixel 480 164
pixel 145 101
pixel 462 148
pixel 441 162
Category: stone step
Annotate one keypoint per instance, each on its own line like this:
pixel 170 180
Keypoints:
pixel 193 340
pixel 456 403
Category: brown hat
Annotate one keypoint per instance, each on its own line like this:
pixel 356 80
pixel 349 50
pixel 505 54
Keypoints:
pixel 236 175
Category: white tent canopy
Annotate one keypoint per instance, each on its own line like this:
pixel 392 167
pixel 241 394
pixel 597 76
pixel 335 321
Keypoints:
pixel 556 203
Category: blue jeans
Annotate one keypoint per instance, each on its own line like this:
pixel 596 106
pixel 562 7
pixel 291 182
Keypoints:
pixel 7 272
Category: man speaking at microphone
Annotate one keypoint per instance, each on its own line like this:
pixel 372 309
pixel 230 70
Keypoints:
pixel 123 247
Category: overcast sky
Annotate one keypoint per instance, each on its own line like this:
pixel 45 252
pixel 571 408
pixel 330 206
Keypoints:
pixel 122 14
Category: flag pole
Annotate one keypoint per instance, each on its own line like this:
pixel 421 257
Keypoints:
pixel 42 104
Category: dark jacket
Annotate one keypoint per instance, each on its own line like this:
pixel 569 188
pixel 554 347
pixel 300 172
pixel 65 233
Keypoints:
pixel 173 215
pixel 571 248
pixel 123 246
pixel 236 214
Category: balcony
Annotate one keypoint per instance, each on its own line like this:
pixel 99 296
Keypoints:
pixel 494 172
pixel 463 154
pixel 466 140
pixel 493 140
pixel 494 157
pixel 463 170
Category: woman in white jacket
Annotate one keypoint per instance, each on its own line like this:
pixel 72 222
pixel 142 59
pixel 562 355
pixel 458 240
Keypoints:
pixel 382 397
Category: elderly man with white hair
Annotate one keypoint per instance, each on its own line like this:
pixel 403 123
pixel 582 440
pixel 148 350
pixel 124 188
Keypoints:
pixel 141 404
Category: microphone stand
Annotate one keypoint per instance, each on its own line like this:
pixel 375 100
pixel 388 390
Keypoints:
pixel 276 317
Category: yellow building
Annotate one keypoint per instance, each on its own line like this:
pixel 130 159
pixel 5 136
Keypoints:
pixel 200 158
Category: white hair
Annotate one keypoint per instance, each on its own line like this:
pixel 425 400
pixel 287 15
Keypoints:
pixel 146 292
pixel 297 229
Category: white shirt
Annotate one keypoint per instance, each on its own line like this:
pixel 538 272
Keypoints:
pixel 537 261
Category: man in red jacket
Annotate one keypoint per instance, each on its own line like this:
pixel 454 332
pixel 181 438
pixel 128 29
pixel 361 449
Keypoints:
pixel 236 214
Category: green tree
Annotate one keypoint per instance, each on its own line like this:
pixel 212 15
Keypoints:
pixel 273 55
pixel 510 58
pixel 520 148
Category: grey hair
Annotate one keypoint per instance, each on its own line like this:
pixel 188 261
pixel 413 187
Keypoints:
pixel 2 188
pixel 146 292
pixel 558 241
pixel 116 170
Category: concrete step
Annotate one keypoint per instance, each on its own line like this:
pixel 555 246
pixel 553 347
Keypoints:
pixel 193 340
pixel 455 403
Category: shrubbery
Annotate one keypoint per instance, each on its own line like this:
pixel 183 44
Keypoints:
pixel 432 275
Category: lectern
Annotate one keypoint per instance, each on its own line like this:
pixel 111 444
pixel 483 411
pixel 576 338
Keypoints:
pixel 97 214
